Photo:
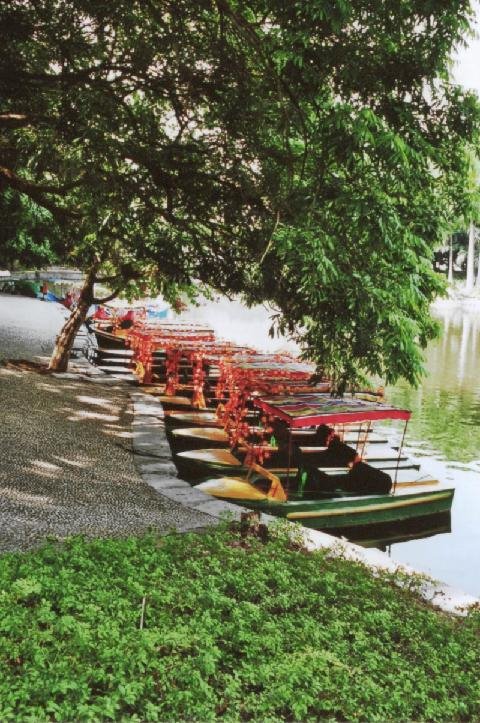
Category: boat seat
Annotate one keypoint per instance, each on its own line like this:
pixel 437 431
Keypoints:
pixel 366 480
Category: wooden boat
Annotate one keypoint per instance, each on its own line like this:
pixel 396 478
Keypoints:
pixel 175 402
pixel 195 456
pixel 334 512
pixel 339 499
pixel 183 404
pixel 204 418
pixel 107 338
pixel 190 438
pixel 185 441
pixel 200 418
pixel 220 461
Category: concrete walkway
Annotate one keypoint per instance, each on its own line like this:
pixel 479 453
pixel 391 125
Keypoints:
pixel 67 463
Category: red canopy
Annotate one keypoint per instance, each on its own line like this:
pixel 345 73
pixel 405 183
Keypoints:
pixel 306 410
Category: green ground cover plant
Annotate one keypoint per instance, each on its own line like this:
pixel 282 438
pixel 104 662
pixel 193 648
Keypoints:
pixel 203 627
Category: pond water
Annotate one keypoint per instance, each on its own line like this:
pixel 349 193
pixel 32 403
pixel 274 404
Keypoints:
pixel 444 432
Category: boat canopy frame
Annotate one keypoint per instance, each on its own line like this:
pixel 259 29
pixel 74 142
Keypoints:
pixel 315 409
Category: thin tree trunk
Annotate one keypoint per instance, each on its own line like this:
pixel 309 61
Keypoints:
pixel 450 261
pixel 470 260
pixel 63 346
pixel 477 283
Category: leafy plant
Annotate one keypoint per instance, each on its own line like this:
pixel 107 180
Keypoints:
pixel 198 627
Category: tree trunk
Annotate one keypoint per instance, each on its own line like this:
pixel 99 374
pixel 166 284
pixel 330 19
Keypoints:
pixel 470 260
pixel 63 346
pixel 477 283
pixel 450 261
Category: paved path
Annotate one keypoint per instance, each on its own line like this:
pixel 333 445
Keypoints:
pixel 66 454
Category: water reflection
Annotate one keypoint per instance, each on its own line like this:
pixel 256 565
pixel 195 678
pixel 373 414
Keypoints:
pixel 445 432
pixel 446 408
pixel 384 536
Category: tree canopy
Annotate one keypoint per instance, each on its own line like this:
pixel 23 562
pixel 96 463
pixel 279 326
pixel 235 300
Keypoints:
pixel 308 153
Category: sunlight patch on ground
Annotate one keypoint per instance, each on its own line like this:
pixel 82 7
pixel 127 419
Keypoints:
pixel 81 414
pixel 97 402
pixel 44 469
pixel 74 463
pixel 10 372
pixel 45 465
pixel 49 388
pixel 117 433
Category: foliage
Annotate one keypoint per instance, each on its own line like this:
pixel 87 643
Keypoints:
pixel 308 154
pixel 26 236
pixel 231 629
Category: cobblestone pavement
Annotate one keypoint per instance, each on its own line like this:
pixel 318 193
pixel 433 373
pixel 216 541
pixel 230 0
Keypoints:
pixel 66 460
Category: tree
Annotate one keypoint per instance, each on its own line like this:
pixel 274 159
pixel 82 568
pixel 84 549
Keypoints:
pixel 470 218
pixel 301 153
pixel 26 233
pixel 477 282
pixel 450 260
pixel 470 282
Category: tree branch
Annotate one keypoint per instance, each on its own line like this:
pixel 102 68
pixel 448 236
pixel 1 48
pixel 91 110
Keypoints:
pixel 106 279
pixel 20 120
pixel 14 120
pixel 71 78
pixel 22 184
pixel 35 191
pixel 249 33
pixel 111 296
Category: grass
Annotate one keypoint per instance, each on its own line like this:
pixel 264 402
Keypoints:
pixel 202 627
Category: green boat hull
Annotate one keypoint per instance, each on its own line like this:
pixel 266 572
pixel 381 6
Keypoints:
pixel 354 512
pixel 361 511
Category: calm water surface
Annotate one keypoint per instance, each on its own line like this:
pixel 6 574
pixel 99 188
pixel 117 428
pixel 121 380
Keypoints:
pixel 444 432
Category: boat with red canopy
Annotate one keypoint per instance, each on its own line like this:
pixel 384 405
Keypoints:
pixel 284 435
pixel 306 410
pixel 241 378
pixel 147 339
pixel 333 497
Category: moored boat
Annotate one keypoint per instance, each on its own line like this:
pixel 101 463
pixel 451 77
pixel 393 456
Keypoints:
pixel 329 498
pixel 183 404
pixel 195 460
pixel 220 461
pixel 332 512
pixel 186 441
pixel 199 418
pixel 107 338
